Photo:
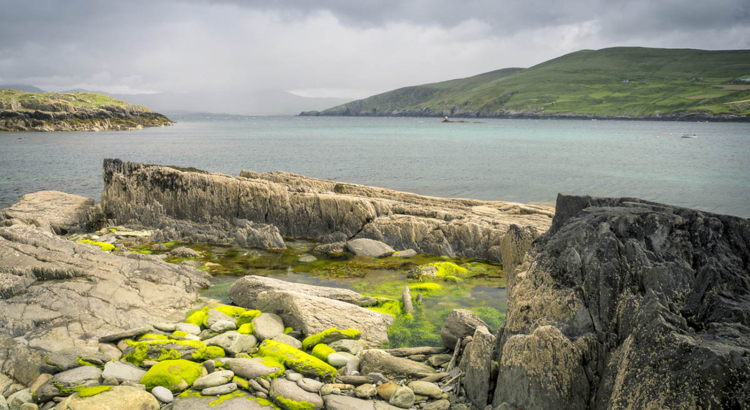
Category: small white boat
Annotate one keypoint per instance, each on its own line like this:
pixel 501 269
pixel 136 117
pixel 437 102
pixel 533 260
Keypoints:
pixel 689 136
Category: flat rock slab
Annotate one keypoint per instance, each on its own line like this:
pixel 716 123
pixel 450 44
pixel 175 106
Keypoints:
pixel 118 398
pixel 312 315
pixel 377 361
pixel 244 292
pixel 63 384
pixel 123 372
pixel 284 389
pixel 369 247
pixel 241 401
pixel 125 334
pixel 251 368
pixel 335 402
pixel 60 210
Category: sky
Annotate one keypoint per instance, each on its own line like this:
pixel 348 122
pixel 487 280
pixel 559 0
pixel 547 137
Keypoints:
pixel 329 48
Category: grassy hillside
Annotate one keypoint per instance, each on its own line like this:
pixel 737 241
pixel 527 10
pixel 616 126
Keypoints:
pixel 29 101
pixel 622 81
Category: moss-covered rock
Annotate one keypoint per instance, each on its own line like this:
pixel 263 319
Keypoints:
pixel 247 317
pixel 296 359
pixel 106 247
pixel 329 336
pixel 160 350
pixel 321 351
pixel 175 375
pixel 92 391
pixel 246 329
pixel 196 318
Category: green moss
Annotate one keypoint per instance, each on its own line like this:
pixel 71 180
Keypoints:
pixel 145 251
pixel 208 353
pixel 106 247
pixel 159 350
pixel 241 383
pixel 452 279
pixel 82 362
pixel 179 334
pixel 414 330
pixel 313 340
pixel 390 307
pixel 321 351
pixel 270 362
pixel 449 269
pixel 196 318
pixel 288 330
pixel 265 403
pixel 247 317
pixel 170 244
pixel 151 336
pixel 92 391
pixel 427 287
pixel 246 329
pixel 172 374
pixel 296 359
pixel 290 404
pixel 231 311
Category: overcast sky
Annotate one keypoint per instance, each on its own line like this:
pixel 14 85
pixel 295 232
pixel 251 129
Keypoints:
pixel 330 48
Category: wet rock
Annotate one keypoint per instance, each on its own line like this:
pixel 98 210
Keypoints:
pixel 183 252
pixel 244 292
pixel 423 272
pixel 267 326
pixel 307 258
pixel 232 342
pixel 438 405
pixel 287 394
pixel 439 360
pixel 313 315
pixel 381 362
pixel 403 397
pixel 369 247
pixel 123 372
pixel 335 248
pixel 117 398
pixel 460 323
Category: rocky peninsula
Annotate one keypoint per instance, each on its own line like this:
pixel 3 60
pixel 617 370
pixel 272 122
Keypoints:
pixel 75 111
pixel 612 302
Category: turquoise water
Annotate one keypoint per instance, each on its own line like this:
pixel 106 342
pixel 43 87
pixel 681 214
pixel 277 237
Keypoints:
pixel 514 160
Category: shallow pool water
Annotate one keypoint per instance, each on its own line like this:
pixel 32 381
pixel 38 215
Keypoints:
pixel 480 289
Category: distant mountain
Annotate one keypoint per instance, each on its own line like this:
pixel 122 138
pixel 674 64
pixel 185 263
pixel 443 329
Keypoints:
pixel 22 87
pixel 621 82
pixel 262 102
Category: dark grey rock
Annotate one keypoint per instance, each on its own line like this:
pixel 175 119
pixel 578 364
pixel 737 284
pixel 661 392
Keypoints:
pixel 460 323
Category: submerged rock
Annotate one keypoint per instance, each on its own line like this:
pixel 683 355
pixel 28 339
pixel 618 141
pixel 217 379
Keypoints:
pixel 460 323
pixel 244 292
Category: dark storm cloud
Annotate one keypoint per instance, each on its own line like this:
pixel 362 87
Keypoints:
pixel 329 47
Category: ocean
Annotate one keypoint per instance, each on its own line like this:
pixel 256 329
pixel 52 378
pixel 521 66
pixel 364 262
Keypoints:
pixel 509 160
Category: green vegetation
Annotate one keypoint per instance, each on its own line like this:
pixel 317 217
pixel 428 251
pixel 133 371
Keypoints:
pixel 313 340
pixel 106 247
pixel 296 359
pixel 92 391
pixel 321 351
pixel 620 81
pixel 175 375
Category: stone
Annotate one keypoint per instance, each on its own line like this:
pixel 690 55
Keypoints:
pixel 110 352
pixel 439 360
pixel 338 359
pixel 347 346
pixel 355 380
pixel 438 405
pixel 123 372
pixel 73 357
pixel 214 379
pixel 369 248
pixel 237 400
pixel 162 394
pixel 38 382
pixel 329 389
pixel 403 397
pixel 285 394
pixel 307 258
pixel 213 316
pixel 377 377
pixel 18 399
pixel 58 211
pixel 334 402
pixel 378 361
pixel 210 366
pixel 423 272
pixel 110 381
pixel 29 406
pixel 165 327
pixel 125 334
pixel 244 292
pixel 288 340
pixel 431 390
pixel 478 368
pixel 313 315
pixel 352 367
pixel 365 391
pixel 63 384
pixel 408 253
pixel 313 386
pixel 219 390
pixel 232 342
pixel 159 247
pixel 183 252
pixel 223 326
pixel 386 390
pixel 117 398
pixel 459 323
pixel 188 328
pixel 267 326
pixel 252 368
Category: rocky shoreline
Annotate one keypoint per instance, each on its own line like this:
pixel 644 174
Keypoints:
pixel 613 303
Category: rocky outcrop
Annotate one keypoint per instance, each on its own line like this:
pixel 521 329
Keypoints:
pixel 244 292
pixel 625 303
pixel 292 205
pixel 55 210
pixel 72 112
pixel 67 294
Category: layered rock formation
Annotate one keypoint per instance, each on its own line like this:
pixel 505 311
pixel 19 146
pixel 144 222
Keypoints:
pixel 271 205
pixel 72 112
pixel 625 303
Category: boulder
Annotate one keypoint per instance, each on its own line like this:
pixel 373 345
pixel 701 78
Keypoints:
pixel 219 390
pixel 213 316
pixel 380 362
pixel 289 396
pixel 65 383
pixel 125 334
pixel 312 315
pixel 288 340
pixel 73 357
pixel 232 342
pixel 223 326
pixel 369 248
pixel 313 386
pixel 183 252
pixel 59 211
pixel 267 326
pixel 347 345
pixel 386 390
pixel 460 323
pixel 403 397
pixel 116 398
pixel 428 389
pixel 214 379
pixel 236 401
pixel 365 391
pixel 175 375
pixel 123 372
pixel 478 368
pixel 253 368
pixel 244 292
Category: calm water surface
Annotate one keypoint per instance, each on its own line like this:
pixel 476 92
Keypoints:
pixel 514 160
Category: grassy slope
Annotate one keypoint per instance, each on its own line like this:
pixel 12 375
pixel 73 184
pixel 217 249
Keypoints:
pixel 77 99
pixel 590 82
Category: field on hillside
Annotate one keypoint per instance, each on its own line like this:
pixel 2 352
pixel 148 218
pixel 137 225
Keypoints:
pixel 76 99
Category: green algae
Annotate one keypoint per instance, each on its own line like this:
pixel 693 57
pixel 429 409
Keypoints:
pixel 151 336
pixel 296 359
pixel 290 404
pixel 313 340
pixel 247 316
pixel 426 287
pixel 175 375
pixel 246 329
pixel 92 391
pixel 288 330
pixel 106 247
pixel 208 353
pixel 270 362
pixel 159 350
pixel 231 311
pixel 82 362
pixel 389 307
pixel 321 351
pixel 242 383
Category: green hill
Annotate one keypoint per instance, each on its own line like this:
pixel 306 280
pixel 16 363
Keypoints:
pixel 613 82
pixel 74 111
